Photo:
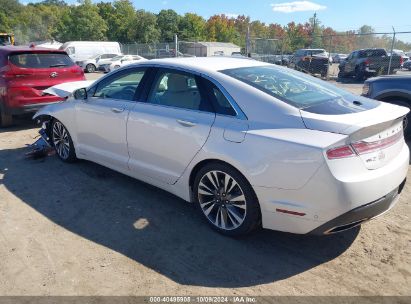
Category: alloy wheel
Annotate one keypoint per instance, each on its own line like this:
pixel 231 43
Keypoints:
pixel 222 200
pixel 61 140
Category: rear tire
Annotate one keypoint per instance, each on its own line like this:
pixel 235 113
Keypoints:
pixel 226 199
pixel 359 75
pixel 90 68
pixel 6 120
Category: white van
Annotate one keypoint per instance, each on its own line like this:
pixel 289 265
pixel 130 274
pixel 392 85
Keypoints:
pixel 82 50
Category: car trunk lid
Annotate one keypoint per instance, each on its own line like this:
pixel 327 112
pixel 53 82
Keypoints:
pixel 375 135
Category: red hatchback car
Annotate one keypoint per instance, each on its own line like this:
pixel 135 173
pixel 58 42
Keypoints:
pixel 25 72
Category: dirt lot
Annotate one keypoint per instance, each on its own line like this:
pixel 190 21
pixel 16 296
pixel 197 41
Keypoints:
pixel 81 229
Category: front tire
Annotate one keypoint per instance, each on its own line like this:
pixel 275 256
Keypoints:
pixel 226 199
pixel 62 142
pixel 90 68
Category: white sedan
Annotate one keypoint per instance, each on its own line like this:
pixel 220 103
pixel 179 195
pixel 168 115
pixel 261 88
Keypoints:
pixel 118 62
pixel 251 144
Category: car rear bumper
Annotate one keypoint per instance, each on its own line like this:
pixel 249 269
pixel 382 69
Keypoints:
pixel 31 108
pixel 359 215
pixel 27 102
pixel 329 200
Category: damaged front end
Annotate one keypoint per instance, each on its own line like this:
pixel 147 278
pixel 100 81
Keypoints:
pixel 43 146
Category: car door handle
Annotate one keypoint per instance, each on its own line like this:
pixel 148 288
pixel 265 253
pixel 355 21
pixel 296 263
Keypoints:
pixel 186 123
pixel 117 110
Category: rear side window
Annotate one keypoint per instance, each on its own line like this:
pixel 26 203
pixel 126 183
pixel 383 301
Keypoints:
pixel 218 99
pixel 41 60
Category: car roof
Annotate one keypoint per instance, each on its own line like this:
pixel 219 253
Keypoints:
pixel 16 49
pixel 204 64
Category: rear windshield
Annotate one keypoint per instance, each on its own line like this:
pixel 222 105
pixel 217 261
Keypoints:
pixel 301 91
pixel 41 60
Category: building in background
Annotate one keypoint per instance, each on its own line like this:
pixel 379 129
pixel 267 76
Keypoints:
pixel 205 49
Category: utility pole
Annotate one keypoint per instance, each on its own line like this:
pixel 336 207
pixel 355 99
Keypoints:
pixel 247 43
pixel 313 31
pixel 392 47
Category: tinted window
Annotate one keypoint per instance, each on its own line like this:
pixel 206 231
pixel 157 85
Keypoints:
pixel 121 85
pixel 372 53
pixel 41 60
pixel 178 89
pixel 300 90
pixel 219 101
pixel 315 52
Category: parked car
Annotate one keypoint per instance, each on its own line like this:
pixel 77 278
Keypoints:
pixel 281 60
pixel 313 61
pixel 249 142
pixel 369 62
pixel 401 53
pixel 90 65
pixel 25 72
pixel 338 58
pixel 118 62
pixel 82 50
pixel 392 89
pixel 407 65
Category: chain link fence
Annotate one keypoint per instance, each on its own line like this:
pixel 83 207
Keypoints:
pixel 345 56
pixel 150 50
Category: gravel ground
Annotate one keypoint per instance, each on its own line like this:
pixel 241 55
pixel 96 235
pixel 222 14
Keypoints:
pixel 82 229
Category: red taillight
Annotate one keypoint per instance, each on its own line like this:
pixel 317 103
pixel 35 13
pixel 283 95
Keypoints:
pixel 340 152
pixel 401 60
pixel 367 62
pixel 362 147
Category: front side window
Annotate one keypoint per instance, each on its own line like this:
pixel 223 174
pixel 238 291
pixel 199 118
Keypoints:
pixel 121 86
pixel 301 91
pixel 177 89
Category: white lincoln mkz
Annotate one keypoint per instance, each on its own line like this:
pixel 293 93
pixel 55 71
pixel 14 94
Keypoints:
pixel 251 144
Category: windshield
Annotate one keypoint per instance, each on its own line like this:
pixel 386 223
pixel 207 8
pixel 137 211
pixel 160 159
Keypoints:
pixel 116 58
pixel 41 60
pixel 299 90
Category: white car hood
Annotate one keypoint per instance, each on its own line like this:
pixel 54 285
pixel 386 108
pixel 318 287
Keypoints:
pixel 66 89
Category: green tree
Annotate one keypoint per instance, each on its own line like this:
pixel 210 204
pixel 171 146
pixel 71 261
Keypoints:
pixel 81 22
pixel 167 21
pixel 315 30
pixel 119 26
pixel 192 27
pixel 5 23
pixel 221 28
pixel 144 28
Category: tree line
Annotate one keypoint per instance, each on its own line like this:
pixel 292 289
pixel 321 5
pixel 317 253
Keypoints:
pixel 121 21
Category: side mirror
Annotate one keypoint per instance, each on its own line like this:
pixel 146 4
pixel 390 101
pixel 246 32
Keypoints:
pixel 80 94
